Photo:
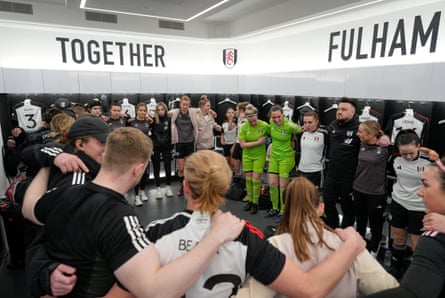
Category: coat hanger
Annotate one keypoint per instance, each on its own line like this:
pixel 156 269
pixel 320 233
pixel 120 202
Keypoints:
pixel 306 104
pixel 268 102
pixel 26 102
pixel 409 112
pixel 227 100
pixel 334 106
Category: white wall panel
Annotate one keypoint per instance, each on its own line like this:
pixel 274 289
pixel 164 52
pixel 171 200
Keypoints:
pixel 330 83
pixel 362 82
pixel 202 84
pixel 23 80
pixel 298 83
pixel 253 84
pixel 125 82
pixel 57 81
pixel 264 84
pixel 2 85
pixel 90 82
pixel 437 82
pixel 179 83
pixel 224 84
pixel 411 82
pixel 153 83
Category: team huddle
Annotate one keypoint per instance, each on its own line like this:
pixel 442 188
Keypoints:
pixel 89 241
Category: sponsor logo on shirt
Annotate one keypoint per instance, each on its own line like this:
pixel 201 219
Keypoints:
pixel 348 141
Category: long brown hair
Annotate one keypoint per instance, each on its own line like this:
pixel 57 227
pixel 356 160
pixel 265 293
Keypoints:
pixel 301 202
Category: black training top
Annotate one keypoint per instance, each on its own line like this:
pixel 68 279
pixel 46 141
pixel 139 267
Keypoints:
pixel 93 229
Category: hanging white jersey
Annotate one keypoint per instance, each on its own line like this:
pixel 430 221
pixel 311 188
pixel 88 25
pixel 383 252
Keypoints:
pixel 288 112
pixel 407 122
pixel 229 267
pixel 29 117
pixel 366 117
pixel 151 108
pixel 128 109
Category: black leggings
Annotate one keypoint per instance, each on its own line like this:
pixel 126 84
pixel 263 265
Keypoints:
pixel 156 159
pixel 143 181
pixel 370 207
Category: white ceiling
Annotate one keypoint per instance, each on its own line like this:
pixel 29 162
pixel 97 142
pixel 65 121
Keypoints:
pixel 237 17
pixel 227 11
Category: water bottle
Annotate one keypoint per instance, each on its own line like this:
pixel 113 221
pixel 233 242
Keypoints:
pixel 387 259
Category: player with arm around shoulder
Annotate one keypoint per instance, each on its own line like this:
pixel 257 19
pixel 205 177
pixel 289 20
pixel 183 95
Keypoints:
pixel 115 248
pixel 207 179
pixel 425 276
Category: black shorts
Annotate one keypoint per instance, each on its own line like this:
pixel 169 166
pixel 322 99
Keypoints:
pixel 403 218
pixel 314 177
pixel 238 152
pixel 226 149
pixel 184 149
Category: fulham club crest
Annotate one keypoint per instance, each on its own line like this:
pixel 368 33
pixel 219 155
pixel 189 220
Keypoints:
pixel 230 57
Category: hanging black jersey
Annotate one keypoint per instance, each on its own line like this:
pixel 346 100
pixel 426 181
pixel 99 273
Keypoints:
pixel 29 117
pixel 229 267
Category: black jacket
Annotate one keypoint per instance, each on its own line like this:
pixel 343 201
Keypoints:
pixel 161 134
pixel 343 148
pixel 39 265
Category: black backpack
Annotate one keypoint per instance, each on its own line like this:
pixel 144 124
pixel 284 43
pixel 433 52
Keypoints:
pixel 264 203
pixel 237 191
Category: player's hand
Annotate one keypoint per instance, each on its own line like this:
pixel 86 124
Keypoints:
pixel 63 279
pixel 261 140
pixel 433 155
pixel 10 143
pixel 226 226
pixel 69 163
pixel 350 236
pixel 384 141
pixel 434 222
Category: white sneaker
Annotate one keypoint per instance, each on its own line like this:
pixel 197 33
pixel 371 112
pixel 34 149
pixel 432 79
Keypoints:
pixel 169 192
pixel 143 196
pixel 137 201
pixel 158 194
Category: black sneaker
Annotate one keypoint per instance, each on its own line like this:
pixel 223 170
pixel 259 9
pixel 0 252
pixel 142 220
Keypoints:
pixel 248 206
pixel 254 209
pixel 271 213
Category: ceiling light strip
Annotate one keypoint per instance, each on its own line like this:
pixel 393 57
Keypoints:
pixel 83 4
